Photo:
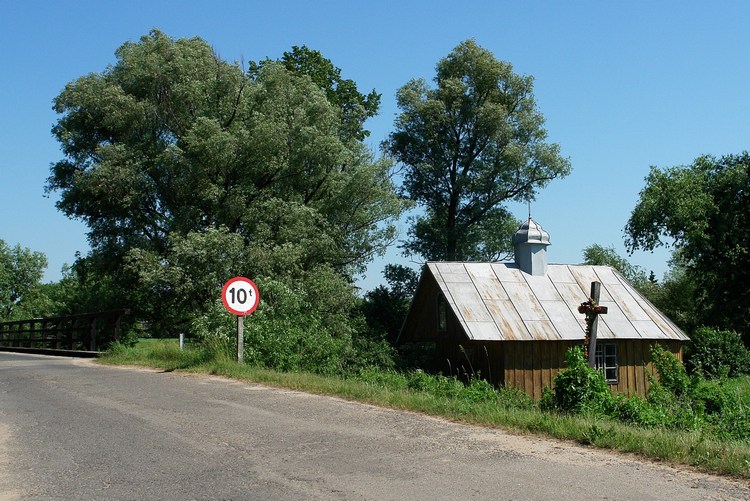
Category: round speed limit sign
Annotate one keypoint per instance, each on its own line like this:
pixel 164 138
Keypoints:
pixel 240 296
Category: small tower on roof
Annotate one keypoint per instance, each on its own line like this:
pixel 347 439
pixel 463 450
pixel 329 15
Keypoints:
pixel 530 248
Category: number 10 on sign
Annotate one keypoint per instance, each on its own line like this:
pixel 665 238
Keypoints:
pixel 240 297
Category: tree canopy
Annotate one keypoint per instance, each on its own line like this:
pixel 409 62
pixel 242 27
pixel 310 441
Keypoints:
pixel 355 107
pixel 596 254
pixel 702 210
pixel 470 144
pixel 21 270
pixel 187 171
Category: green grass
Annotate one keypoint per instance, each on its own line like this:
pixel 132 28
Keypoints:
pixel 741 385
pixel 506 411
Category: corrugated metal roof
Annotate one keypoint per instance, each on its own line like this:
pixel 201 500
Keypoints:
pixel 497 302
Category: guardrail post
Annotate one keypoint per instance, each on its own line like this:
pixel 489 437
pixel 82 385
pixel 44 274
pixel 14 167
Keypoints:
pixel 93 334
pixel 75 327
pixel 59 336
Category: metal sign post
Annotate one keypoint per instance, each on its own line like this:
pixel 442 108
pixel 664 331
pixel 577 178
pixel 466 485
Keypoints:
pixel 240 339
pixel 241 297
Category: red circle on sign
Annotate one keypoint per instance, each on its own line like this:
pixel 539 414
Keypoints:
pixel 240 296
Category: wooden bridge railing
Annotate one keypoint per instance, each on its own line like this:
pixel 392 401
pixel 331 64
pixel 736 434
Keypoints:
pixel 74 333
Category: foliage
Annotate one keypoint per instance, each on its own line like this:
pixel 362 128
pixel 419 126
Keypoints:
pixel 515 398
pixel 670 395
pixel 370 349
pixel 285 332
pixel 474 391
pixel 469 145
pixel 701 209
pixel 188 171
pixel 579 388
pixel 636 410
pixel 385 307
pixel 598 255
pixel 436 384
pixel 288 332
pixel 675 400
pixel 689 403
pixel 717 353
pixel 355 107
pixel 21 271
pixel 675 295
pixel 672 374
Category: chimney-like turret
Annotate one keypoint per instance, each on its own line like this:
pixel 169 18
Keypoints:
pixel 530 248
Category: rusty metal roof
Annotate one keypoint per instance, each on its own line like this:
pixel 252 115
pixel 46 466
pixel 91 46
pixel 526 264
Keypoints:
pixel 497 302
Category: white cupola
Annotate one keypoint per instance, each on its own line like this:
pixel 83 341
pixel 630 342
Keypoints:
pixel 530 248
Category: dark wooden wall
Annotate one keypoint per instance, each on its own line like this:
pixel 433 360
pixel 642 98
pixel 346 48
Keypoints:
pixel 532 365
pixel 422 321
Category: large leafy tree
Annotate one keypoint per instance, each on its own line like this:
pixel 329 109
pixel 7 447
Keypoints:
pixel 472 143
pixel 673 295
pixel 596 254
pixel 21 271
pixel 702 210
pixel 385 307
pixel 354 106
pixel 187 170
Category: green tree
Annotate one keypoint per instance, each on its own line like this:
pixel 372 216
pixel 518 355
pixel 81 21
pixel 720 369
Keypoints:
pixel 385 307
pixel 187 170
pixel 598 255
pixel 469 145
pixel 355 107
pixel 21 271
pixel 702 210
pixel 675 295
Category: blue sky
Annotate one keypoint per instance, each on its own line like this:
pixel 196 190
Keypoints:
pixel 623 86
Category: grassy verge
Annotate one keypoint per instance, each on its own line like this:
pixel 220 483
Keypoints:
pixel 499 409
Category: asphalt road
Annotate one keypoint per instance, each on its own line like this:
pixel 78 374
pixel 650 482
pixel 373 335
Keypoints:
pixel 73 430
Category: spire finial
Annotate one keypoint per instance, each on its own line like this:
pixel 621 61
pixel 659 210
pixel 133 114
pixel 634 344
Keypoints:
pixel 528 202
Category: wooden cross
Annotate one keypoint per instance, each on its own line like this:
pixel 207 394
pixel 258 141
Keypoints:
pixel 592 310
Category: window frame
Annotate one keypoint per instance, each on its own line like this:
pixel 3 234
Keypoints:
pixel 606 361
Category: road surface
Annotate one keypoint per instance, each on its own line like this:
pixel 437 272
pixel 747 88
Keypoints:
pixel 73 430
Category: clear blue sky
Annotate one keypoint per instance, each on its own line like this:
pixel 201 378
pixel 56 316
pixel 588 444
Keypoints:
pixel 623 86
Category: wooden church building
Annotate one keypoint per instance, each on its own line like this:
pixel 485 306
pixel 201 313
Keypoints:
pixel 513 322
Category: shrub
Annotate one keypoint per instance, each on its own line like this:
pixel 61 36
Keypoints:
pixel 712 396
pixel 716 352
pixel 691 403
pixel 370 349
pixel 284 333
pixel 510 397
pixel 670 395
pixel 479 390
pixel 636 410
pixel 672 374
pixel 579 388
